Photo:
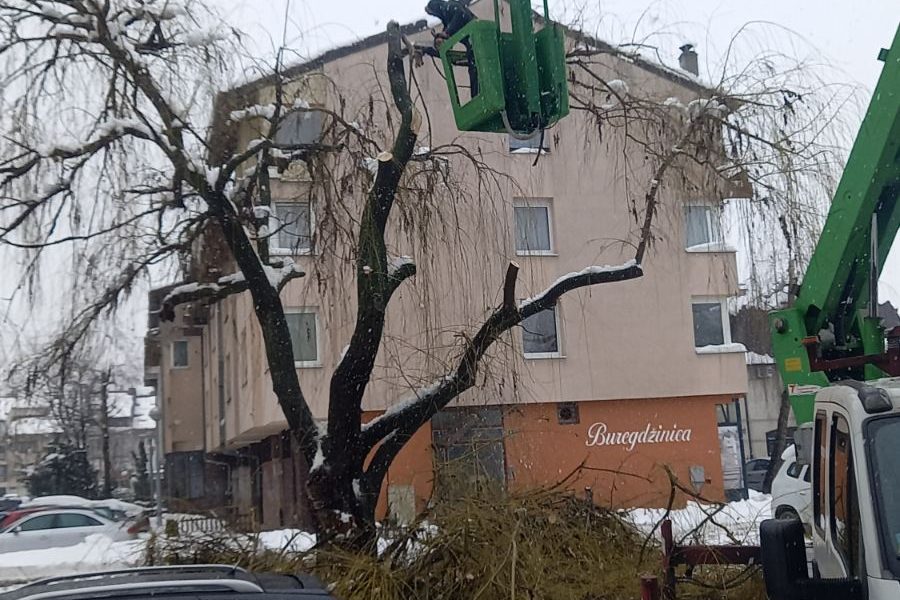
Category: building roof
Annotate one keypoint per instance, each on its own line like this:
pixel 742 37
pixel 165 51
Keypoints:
pixel 678 76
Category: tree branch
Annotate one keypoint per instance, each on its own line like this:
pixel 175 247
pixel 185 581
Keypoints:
pixel 404 419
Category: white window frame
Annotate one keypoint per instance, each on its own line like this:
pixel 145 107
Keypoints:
pixel 305 310
pixel 187 347
pixel 276 250
pixel 726 322
pixel 535 203
pixel 714 209
pixel 530 149
pixel 559 341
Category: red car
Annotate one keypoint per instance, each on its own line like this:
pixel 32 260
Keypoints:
pixel 12 516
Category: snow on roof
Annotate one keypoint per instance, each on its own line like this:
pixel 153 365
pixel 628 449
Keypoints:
pixel 141 415
pixel 33 426
pixel 70 501
pixel 120 404
pixel 754 358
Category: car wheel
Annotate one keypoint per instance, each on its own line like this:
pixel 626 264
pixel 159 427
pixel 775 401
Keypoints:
pixel 786 513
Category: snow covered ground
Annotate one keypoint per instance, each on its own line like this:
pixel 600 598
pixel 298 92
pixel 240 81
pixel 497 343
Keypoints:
pixel 97 552
pixel 736 522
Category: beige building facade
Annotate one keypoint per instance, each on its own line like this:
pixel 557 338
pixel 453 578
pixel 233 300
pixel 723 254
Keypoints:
pixel 623 378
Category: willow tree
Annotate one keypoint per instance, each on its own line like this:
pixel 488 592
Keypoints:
pixel 105 107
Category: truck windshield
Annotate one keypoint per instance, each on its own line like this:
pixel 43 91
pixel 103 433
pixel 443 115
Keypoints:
pixel 884 448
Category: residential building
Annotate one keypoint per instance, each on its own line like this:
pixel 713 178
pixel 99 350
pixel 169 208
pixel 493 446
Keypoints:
pixel 605 391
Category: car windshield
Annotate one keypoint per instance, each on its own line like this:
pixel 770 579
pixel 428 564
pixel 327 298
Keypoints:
pixel 884 448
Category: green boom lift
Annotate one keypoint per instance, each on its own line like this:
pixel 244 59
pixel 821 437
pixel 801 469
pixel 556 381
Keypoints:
pixel 522 84
pixel 832 331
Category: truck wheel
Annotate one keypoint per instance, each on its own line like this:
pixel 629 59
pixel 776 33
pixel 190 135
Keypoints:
pixel 787 513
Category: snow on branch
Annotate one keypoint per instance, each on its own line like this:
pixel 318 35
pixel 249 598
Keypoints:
pixel 223 287
pixel 570 281
pixel 409 414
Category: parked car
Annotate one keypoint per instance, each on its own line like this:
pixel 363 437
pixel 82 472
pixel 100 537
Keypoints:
pixel 755 473
pixel 791 489
pixel 211 582
pixel 61 527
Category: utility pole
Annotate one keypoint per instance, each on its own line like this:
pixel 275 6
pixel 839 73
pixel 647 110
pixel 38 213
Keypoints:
pixel 156 415
pixel 104 433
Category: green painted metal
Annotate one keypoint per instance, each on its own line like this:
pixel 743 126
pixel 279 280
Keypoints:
pixel 835 290
pixel 522 84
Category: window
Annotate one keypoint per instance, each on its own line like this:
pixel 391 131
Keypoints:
pixel 819 460
pixel 291 228
pixel 179 354
pixel 529 145
pixel 711 327
pixel 76 520
pixel 701 222
pixel 843 504
pixel 540 335
pixel 304 328
pixel 37 523
pixel 533 228
pixel 884 475
pixel 300 127
pixel 794 470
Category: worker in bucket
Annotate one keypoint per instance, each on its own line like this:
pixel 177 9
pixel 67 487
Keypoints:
pixel 454 15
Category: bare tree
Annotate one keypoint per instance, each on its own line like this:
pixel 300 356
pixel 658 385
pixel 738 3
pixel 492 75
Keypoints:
pixel 142 156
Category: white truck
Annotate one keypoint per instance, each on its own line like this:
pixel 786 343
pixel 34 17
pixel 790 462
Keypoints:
pixel 854 452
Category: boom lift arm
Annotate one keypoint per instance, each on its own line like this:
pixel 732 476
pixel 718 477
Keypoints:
pixel 832 330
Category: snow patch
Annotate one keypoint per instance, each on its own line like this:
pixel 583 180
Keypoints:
pixel 395 263
pixel 421 395
pixel 711 247
pixel 720 349
pixel 752 358
pixel 693 524
pixel 97 552
pixel 596 270
pixel 618 86
pixel 266 111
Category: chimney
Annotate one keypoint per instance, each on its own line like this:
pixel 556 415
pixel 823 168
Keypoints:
pixel 688 59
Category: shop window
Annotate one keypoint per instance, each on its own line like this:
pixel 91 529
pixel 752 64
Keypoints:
pixel 567 413
pixel 540 335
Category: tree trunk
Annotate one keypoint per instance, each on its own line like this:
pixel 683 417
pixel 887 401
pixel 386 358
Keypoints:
pixel 343 517
pixel 784 412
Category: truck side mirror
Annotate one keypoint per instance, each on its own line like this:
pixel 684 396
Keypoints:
pixel 783 554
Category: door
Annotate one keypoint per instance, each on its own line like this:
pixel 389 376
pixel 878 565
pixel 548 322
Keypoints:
pixel 838 510
pixel 31 533
pixel 72 528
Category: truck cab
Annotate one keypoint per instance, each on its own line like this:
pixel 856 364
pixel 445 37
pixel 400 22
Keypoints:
pixel 853 450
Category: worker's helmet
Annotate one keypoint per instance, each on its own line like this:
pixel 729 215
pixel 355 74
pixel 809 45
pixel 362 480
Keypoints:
pixel 435 8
